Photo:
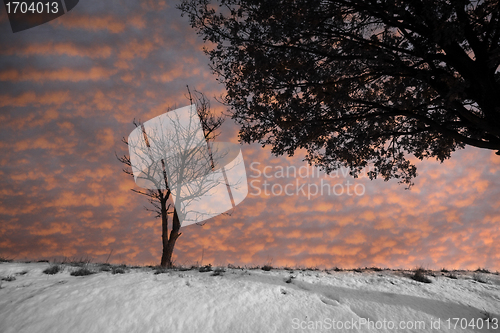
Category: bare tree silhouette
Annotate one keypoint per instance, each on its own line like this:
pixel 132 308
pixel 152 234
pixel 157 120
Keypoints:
pixel 169 162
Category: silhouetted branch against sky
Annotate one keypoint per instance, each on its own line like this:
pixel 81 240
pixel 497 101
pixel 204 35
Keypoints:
pixel 358 83
pixel 159 142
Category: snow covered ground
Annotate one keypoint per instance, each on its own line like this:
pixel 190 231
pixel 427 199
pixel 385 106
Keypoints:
pixel 244 300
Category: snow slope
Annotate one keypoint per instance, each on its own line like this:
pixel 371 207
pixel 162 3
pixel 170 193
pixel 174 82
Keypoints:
pixel 242 300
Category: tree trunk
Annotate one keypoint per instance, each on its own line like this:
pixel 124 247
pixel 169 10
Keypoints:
pixel 169 242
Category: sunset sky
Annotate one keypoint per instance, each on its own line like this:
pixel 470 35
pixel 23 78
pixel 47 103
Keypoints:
pixel 69 91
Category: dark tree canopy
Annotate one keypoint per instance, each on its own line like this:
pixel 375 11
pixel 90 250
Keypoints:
pixel 358 82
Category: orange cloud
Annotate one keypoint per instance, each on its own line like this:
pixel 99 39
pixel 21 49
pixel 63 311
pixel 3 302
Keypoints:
pixel 58 48
pixel 92 23
pixel 63 74
pixel 31 98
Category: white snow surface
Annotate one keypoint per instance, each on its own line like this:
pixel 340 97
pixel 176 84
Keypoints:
pixel 243 300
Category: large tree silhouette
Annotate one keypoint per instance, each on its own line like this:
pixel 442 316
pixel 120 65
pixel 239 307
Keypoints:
pixel 358 82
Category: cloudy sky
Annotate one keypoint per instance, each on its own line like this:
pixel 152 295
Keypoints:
pixel 69 91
